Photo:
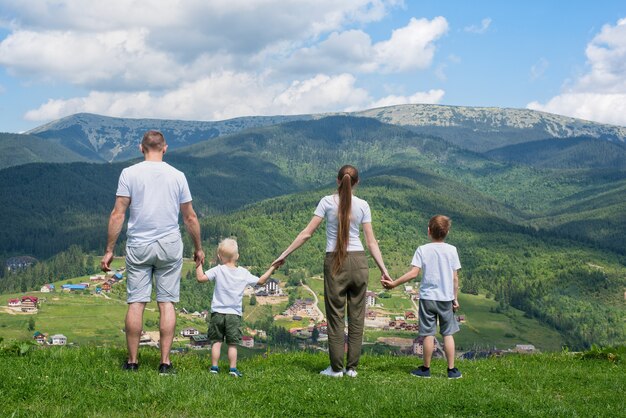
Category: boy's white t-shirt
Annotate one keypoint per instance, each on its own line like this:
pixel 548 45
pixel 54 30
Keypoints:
pixel 438 262
pixel 360 213
pixel 229 286
pixel 156 190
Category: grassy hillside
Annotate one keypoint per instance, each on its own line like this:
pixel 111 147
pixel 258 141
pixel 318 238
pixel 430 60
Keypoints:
pixel 16 149
pixel 581 152
pixel 89 382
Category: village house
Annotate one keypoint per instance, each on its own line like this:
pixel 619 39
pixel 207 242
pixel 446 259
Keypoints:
pixel 13 303
pixel 106 287
pixel 525 348
pixel 417 348
pixel 199 315
pixel 47 288
pixel 408 288
pixel 199 341
pixel 370 298
pixel 371 314
pixel 29 303
pixel 409 315
pixel 58 339
pixel 189 332
pixel 97 277
pixel 40 338
pixel 247 341
pixel 74 287
pixel 460 318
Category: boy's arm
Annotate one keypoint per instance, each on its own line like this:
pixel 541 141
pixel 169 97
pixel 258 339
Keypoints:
pixel 455 303
pixel 409 275
pixel 266 275
pixel 200 276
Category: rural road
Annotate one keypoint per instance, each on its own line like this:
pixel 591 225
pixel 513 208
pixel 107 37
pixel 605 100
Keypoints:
pixel 320 314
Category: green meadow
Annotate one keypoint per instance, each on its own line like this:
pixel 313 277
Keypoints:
pixel 88 381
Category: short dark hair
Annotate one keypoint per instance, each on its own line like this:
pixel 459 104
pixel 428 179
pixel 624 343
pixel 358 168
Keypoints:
pixel 439 226
pixel 153 140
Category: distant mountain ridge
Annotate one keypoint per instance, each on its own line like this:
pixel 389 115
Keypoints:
pixel 485 128
pixel 107 139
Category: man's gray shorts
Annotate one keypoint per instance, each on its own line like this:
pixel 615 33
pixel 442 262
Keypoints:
pixel 429 311
pixel 163 259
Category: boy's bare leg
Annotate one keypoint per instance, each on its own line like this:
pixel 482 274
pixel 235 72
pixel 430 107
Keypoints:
pixel 215 353
pixel 449 348
pixel 167 326
pixel 134 325
pixel 429 347
pixel 232 355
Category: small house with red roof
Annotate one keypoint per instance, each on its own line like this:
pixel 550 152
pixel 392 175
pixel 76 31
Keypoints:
pixel 247 341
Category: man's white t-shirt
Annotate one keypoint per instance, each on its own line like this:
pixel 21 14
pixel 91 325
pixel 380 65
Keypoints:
pixel 229 286
pixel 156 191
pixel 360 213
pixel 438 262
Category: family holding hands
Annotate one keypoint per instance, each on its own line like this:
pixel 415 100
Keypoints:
pixel 155 192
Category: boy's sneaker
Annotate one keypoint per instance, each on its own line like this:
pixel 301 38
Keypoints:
pixel 329 372
pixel 422 371
pixel 350 372
pixel 234 372
pixel 130 367
pixel 214 369
pixel 454 373
pixel 166 369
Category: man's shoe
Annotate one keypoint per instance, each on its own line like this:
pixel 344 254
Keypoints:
pixel 234 372
pixel 329 372
pixel 130 367
pixel 454 373
pixel 214 369
pixel 166 369
pixel 350 373
pixel 422 371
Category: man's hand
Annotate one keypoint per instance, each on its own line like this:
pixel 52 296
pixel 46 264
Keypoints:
pixel 105 263
pixel 455 305
pixel 198 257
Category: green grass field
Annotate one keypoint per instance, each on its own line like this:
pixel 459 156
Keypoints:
pixel 62 382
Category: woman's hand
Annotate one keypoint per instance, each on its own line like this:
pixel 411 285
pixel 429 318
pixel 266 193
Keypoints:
pixel 279 262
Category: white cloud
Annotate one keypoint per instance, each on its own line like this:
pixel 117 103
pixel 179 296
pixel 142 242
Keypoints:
pixel 409 48
pixel 219 96
pixel 427 97
pixel 484 26
pixel 207 60
pixel 600 93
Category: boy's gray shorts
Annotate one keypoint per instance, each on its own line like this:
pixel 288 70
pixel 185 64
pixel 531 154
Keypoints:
pixel 429 311
pixel 163 259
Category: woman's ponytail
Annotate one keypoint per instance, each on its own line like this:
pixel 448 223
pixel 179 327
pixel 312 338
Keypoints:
pixel 348 176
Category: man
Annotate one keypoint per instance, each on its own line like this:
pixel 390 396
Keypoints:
pixel 156 193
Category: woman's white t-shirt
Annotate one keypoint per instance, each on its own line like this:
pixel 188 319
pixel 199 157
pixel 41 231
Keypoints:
pixel 360 213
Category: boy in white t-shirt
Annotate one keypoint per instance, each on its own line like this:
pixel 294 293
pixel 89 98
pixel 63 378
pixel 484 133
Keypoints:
pixel 230 282
pixel 438 293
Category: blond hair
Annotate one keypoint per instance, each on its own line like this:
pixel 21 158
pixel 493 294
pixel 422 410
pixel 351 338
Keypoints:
pixel 228 250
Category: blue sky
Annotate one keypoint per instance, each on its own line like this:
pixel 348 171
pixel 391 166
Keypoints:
pixel 211 60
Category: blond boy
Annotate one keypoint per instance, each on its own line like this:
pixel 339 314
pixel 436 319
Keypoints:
pixel 226 310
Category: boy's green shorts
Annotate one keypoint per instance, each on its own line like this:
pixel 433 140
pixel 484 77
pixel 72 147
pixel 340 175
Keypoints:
pixel 225 327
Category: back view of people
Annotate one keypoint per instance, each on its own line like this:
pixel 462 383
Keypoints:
pixel 155 193
pixel 345 268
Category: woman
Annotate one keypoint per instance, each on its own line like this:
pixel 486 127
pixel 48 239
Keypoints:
pixel 345 267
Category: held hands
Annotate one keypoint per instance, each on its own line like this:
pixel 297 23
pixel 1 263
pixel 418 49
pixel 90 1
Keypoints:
pixel 198 257
pixel 387 281
pixel 278 262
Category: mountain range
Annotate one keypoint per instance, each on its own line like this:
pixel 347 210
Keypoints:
pixel 88 137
